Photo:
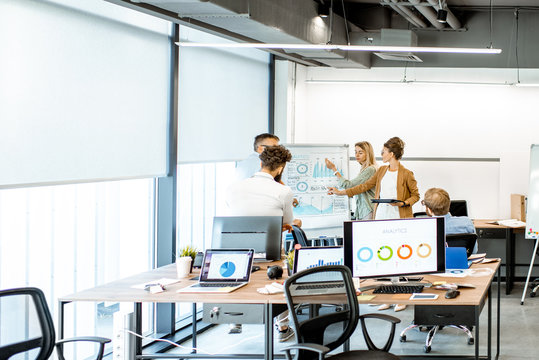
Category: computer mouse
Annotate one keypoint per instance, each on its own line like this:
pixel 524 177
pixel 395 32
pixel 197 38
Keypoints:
pixel 255 268
pixel 451 294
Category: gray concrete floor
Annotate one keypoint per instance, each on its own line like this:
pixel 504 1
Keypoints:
pixel 519 333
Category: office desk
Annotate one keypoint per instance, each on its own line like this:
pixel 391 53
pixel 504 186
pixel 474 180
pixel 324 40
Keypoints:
pixel 491 231
pixel 121 290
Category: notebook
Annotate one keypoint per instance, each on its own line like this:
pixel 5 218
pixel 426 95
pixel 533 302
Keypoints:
pixel 456 258
pixel 223 271
pixel 319 283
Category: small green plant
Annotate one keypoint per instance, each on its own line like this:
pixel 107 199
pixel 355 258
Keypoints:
pixel 188 251
pixel 290 259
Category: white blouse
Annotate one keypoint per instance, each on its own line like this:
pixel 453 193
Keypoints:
pixel 388 190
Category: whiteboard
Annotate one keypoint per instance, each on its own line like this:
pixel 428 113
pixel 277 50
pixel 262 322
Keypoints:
pixel 308 177
pixel 532 212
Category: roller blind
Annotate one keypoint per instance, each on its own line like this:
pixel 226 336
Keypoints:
pixel 223 100
pixel 83 96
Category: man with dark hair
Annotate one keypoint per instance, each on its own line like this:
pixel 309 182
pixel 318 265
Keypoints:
pixel 261 195
pixel 249 166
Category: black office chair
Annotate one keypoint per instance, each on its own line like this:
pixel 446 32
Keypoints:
pixel 453 240
pixel 321 330
pixel 458 208
pixel 462 240
pixel 299 236
pixel 27 326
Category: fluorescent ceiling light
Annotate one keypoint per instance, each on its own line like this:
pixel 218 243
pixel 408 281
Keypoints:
pixel 416 49
pixel 519 84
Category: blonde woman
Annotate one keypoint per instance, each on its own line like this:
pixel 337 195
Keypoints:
pixel 365 157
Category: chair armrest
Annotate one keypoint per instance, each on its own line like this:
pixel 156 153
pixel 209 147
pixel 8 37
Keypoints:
pixel 320 349
pixel 101 340
pixel 98 339
pixel 385 317
pixel 393 320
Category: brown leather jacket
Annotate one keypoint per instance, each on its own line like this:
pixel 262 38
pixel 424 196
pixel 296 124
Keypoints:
pixel 406 189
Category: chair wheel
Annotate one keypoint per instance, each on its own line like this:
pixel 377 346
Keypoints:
pixel 403 338
pixel 470 341
pixel 427 349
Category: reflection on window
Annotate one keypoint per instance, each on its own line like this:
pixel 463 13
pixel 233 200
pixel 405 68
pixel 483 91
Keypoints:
pixel 67 238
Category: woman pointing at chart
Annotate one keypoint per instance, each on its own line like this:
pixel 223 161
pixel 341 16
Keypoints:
pixel 391 182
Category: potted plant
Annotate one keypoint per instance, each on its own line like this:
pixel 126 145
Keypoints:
pixel 187 251
pixel 289 260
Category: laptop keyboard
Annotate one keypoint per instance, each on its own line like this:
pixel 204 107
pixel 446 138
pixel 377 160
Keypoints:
pixel 219 284
pixel 320 286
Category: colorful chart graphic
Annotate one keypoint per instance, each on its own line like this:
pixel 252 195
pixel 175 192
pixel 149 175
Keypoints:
pixel 365 257
pixel 321 262
pixel 302 186
pixel 227 269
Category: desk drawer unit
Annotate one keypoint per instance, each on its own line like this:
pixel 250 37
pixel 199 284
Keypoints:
pixel 444 315
pixel 491 233
pixel 234 313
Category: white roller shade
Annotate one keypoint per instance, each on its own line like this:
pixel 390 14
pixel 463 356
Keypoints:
pixel 224 97
pixel 83 97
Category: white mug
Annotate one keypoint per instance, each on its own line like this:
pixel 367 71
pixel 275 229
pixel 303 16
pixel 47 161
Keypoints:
pixel 183 266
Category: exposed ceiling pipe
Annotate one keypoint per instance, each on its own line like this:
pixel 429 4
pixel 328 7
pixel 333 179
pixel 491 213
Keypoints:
pixel 407 14
pixel 428 13
pixel 451 18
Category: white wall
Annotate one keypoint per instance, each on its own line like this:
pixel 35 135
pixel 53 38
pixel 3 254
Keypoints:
pixel 435 120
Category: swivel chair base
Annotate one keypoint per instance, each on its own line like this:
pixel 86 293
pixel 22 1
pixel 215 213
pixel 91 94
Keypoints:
pixel 432 331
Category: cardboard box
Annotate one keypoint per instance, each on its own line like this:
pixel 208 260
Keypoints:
pixel 518 207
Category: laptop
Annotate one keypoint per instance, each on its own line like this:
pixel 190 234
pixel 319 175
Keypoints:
pixel 223 271
pixel 320 283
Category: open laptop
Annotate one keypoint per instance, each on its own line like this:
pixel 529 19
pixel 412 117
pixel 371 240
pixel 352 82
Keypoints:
pixel 319 283
pixel 223 271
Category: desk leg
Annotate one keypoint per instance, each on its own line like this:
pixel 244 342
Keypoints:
pixel 61 305
pixel 510 260
pixel 489 323
pixel 498 318
pixel 194 337
pixel 268 330
pixel 138 328
pixel 476 342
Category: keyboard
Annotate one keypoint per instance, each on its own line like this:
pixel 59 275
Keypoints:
pixel 219 284
pixel 320 286
pixel 317 288
pixel 398 289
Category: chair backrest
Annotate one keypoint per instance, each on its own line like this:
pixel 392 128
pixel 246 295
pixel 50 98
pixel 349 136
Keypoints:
pixel 458 208
pixel 299 236
pixel 330 326
pixel 462 240
pixel 26 324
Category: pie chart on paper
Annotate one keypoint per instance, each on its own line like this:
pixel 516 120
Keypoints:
pixel 227 269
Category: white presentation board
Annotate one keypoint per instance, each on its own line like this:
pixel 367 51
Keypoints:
pixel 308 177
pixel 532 212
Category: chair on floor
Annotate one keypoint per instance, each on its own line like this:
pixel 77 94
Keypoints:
pixel 27 327
pixel 454 240
pixel 299 236
pixel 323 329
pixel 458 208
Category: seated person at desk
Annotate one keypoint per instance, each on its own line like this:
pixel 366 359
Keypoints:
pixel 263 195
pixel 437 203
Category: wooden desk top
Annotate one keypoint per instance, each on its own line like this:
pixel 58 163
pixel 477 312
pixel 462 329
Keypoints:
pixel 121 290
pixel 483 223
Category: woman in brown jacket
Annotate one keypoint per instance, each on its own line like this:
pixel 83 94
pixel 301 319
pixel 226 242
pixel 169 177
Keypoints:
pixel 392 181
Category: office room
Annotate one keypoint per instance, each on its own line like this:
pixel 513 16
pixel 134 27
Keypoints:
pixel 121 140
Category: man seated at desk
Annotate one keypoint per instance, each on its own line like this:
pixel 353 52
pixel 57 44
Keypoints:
pixel 437 203
pixel 263 195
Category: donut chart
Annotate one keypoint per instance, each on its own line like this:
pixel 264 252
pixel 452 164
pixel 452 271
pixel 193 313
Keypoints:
pixel 408 252
pixel 421 253
pixel 227 269
pixel 381 251
pixel 362 250
pixel 402 251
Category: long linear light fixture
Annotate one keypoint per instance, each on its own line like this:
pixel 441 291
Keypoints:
pixel 416 49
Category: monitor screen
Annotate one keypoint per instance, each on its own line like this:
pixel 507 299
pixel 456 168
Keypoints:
pixel 381 248
pixel 261 233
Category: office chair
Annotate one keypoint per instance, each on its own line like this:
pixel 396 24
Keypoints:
pixel 27 326
pixel 299 236
pixel 324 329
pixel 452 240
pixel 458 208
pixel 462 240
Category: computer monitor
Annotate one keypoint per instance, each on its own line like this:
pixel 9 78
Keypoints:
pixel 391 248
pixel 261 233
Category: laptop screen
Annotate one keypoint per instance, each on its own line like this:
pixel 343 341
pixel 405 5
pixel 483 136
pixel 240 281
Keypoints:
pixel 223 265
pixel 309 257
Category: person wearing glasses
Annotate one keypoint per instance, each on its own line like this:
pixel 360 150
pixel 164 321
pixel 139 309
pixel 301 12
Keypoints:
pixel 246 168
pixel 391 181
pixel 436 202
pixel 365 158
